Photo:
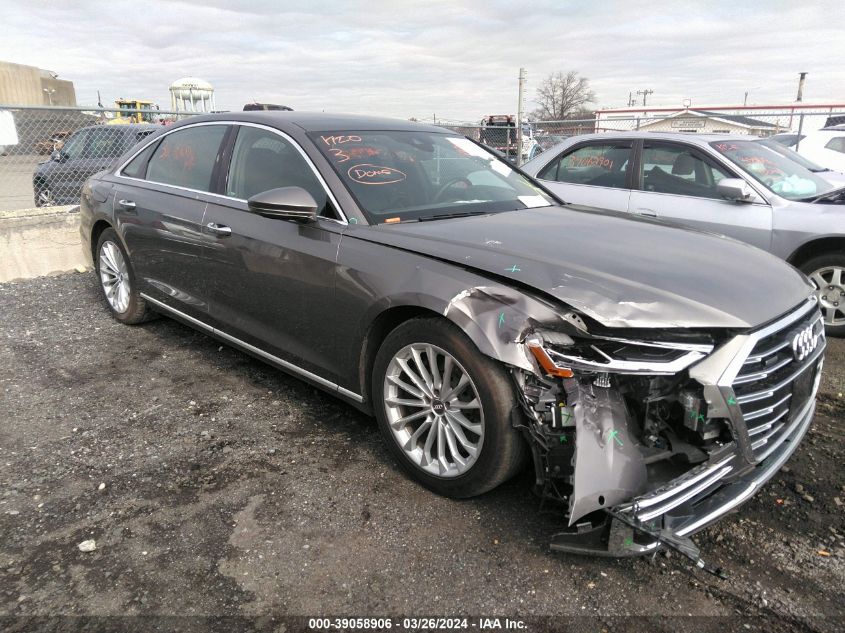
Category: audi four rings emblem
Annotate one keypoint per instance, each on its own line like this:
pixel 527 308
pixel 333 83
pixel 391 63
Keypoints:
pixel 804 342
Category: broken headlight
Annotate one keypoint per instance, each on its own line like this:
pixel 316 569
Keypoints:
pixel 561 355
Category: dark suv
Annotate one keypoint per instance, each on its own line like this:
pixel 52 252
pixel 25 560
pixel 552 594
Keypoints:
pixel 87 151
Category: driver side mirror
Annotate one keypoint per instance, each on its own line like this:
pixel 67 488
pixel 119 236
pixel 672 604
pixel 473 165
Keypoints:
pixel 735 190
pixel 285 203
pixel 58 156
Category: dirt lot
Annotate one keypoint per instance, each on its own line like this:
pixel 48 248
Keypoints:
pixel 215 485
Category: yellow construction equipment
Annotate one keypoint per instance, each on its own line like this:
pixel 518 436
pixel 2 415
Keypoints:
pixel 134 111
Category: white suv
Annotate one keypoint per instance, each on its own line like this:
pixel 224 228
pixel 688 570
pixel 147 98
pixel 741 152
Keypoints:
pixel 825 147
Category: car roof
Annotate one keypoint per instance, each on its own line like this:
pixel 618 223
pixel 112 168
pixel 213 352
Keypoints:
pixel 687 137
pixel 318 121
pixel 129 127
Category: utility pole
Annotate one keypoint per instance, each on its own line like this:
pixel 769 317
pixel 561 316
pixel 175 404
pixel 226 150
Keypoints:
pixel 523 76
pixel 645 94
pixel 631 101
pixel 801 78
pixel 100 105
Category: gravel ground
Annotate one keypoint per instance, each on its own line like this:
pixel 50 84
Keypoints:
pixel 215 485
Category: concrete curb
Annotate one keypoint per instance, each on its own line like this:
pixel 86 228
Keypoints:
pixel 40 241
pixel 39 212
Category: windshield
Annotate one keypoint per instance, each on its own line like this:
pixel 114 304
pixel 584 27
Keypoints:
pixel 792 155
pixel 400 176
pixel 775 171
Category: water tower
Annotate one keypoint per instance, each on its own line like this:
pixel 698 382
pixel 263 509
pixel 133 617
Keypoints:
pixel 191 94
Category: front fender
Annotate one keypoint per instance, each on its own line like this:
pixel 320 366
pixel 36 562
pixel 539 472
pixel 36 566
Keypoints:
pixel 496 317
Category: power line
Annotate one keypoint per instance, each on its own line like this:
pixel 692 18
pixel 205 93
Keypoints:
pixel 645 94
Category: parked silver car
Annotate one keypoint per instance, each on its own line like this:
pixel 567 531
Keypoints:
pixel 734 185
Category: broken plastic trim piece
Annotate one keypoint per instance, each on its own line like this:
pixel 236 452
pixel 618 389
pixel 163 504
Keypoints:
pixel 667 538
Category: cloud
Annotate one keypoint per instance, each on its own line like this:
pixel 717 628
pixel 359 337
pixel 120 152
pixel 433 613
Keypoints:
pixel 455 60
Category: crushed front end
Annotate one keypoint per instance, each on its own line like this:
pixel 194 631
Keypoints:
pixel 643 440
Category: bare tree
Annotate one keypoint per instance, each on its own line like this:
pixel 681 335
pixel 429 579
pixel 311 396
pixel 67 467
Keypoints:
pixel 560 96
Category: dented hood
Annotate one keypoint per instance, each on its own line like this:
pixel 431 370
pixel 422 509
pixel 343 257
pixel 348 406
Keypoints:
pixel 623 271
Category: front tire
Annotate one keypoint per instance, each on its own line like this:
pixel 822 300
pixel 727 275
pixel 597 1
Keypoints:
pixel 828 273
pixel 446 411
pixel 117 280
pixel 44 195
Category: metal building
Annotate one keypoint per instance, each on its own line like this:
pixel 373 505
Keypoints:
pixel 28 85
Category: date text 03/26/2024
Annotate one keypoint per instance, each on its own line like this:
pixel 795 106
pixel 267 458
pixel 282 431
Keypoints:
pixel 416 624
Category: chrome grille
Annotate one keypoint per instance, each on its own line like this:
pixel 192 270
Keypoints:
pixel 697 482
pixel 773 385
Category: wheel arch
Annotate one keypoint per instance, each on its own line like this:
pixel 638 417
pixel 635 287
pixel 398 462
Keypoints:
pixel 96 231
pixel 495 318
pixel 382 325
pixel 816 247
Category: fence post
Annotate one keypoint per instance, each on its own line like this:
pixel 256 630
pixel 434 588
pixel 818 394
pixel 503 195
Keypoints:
pixel 519 118
pixel 800 127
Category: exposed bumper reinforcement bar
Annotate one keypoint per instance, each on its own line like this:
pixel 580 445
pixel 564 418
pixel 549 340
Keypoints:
pixel 615 538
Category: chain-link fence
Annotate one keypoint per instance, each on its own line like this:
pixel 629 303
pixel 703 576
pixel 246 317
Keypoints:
pixel 538 136
pixel 46 154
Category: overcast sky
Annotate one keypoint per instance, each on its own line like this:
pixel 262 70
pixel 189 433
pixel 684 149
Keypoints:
pixel 458 59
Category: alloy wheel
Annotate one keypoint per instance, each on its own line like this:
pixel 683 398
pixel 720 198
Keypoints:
pixel 114 275
pixel 434 410
pixel 45 197
pixel 830 282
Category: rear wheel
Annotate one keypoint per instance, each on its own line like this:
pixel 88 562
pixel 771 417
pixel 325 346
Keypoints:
pixel 827 272
pixel 117 279
pixel 445 410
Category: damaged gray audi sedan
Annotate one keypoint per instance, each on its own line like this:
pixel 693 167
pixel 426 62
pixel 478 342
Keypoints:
pixel 655 376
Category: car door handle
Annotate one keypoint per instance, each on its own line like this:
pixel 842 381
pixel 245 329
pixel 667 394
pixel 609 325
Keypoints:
pixel 218 229
pixel 647 212
pixel 126 204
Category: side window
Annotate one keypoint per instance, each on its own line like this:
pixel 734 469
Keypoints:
pixel 679 171
pixel 74 147
pixel 549 172
pixel 597 164
pixel 137 167
pixel 186 157
pixel 107 143
pixel 837 144
pixel 263 160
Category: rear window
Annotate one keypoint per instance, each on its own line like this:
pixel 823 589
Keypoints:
pixel 598 164
pixel 836 144
pixel 186 158
pixel 137 168
pixel 788 140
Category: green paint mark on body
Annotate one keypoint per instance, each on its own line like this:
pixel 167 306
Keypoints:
pixel 501 319
pixel 731 400
pixel 614 435
pixel 513 269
